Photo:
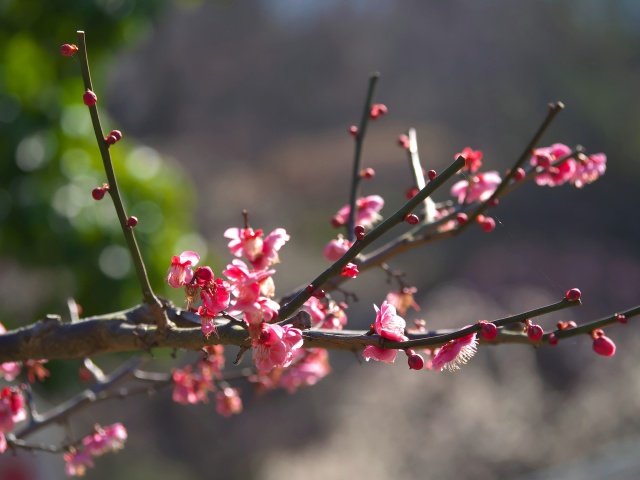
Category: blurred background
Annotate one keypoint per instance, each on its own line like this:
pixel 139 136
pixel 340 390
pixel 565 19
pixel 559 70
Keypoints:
pixel 226 105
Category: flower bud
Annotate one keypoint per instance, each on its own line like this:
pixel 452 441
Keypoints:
pixel 535 332
pixel 359 231
pixel 353 131
pixel 488 330
pixel 337 221
pixel 98 193
pixel 431 174
pixel 488 224
pixel 462 218
pixel 411 192
pixel 377 110
pixel 403 141
pixel 415 361
pixel 367 173
pixel 519 175
pixel 89 98
pixel 604 346
pixel 573 295
pixel 67 50
pixel 117 134
pixel 411 219
pixel 493 202
pixel 553 340
pixel 132 221
pixel 621 319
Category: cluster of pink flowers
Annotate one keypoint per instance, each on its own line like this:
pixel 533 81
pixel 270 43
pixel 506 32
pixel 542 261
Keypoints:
pixel 577 172
pixel 326 313
pixel 480 189
pixel 35 368
pixel 308 367
pixel 367 209
pixel 191 386
pixel 12 411
pixel 102 440
pixel 276 346
pixel 390 326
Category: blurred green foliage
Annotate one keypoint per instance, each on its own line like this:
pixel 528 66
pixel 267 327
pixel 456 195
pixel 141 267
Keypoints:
pixel 50 162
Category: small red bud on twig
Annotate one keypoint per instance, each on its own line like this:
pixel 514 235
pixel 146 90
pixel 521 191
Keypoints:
pixel 519 175
pixel 411 192
pixel 359 232
pixel 378 110
pixel 367 173
pixel 67 50
pixel 415 361
pixel 431 174
pixel 535 332
pixel 353 131
pixel 553 340
pixel 493 202
pixel 573 295
pixel 89 98
pixel 403 141
pixel 99 192
pixel 622 319
pixel 488 224
pixel 132 221
pixel 462 218
pixel 488 330
pixel 411 219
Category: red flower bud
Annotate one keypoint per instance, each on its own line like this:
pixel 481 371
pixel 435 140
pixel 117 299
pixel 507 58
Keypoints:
pixel 67 50
pixel 431 174
pixel 89 98
pixel 98 193
pixel 604 346
pixel 367 173
pixel 488 224
pixel 353 131
pixel 415 361
pixel 318 293
pixel 117 134
pixel 488 330
pixel 411 192
pixel 622 319
pixel 462 218
pixel 359 231
pixel 493 202
pixel 519 175
pixel 573 295
pixel 132 221
pixel 553 340
pixel 535 332
pixel 403 141
pixel 378 110
pixel 110 139
pixel 411 219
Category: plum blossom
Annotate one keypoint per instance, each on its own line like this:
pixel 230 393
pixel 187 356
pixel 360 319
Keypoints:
pixel 241 277
pixel 190 388
pixel 589 170
pixel 350 270
pixel 260 253
pixel 207 324
pixel 336 248
pixel 276 346
pixel 390 326
pixel 367 209
pixel 216 296
pixel 482 187
pixel 105 439
pixel 76 463
pixel 403 299
pixel 9 370
pixel 306 371
pixel 329 315
pixel 472 159
pixel 228 402
pixel 553 176
pixel 180 272
pixel 455 353
pixel 11 412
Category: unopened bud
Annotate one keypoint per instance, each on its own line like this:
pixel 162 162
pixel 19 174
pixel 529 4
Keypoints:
pixel 488 224
pixel 68 50
pixel 431 174
pixel 573 295
pixel 411 219
pixel 89 98
pixel 367 173
pixel 359 232
pixel 132 221
pixel 416 362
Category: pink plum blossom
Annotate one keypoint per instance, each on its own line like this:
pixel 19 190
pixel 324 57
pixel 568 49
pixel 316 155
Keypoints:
pixel 276 346
pixel 207 324
pixel 216 296
pixel 553 176
pixel 76 464
pixel 190 388
pixel 105 439
pixel 403 299
pixel 367 209
pixel 389 325
pixel 307 370
pixel 455 353
pixel 260 253
pixel 336 248
pixel 9 370
pixel 387 355
pixel 12 411
pixel 180 272
pixel 473 159
pixel 240 276
pixel 482 187
pixel 350 270
pixel 589 170
pixel 228 402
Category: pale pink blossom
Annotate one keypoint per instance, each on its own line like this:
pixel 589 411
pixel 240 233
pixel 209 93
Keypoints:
pixel 403 299
pixel 389 325
pixel 180 272
pixel 276 346
pixel 190 388
pixel 212 366
pixel 76 464
pixel 316 309
pixel 260 253
pixel 307 370
pixel 105 439
pixel 589 170
pixel 367 209
pixel 240 276
pixel 553 176
pixel 387 355
pixel 336 248
pixel 228 402
pixel 455 353
pixel 482 187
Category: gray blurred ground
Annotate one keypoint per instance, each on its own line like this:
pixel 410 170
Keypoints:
pixel 255 98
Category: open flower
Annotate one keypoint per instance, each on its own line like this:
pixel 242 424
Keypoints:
pixel 553 176
pixel 472 159
pixel 260 252
pixel 336 248
pixel 455 353
pixel 390 326
pixel 228 402
pixel 589 170
pixel 367 209
pixel 76 463
pixel 276 346
pixel 482 187
pixel 105 439
pixel 180 272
